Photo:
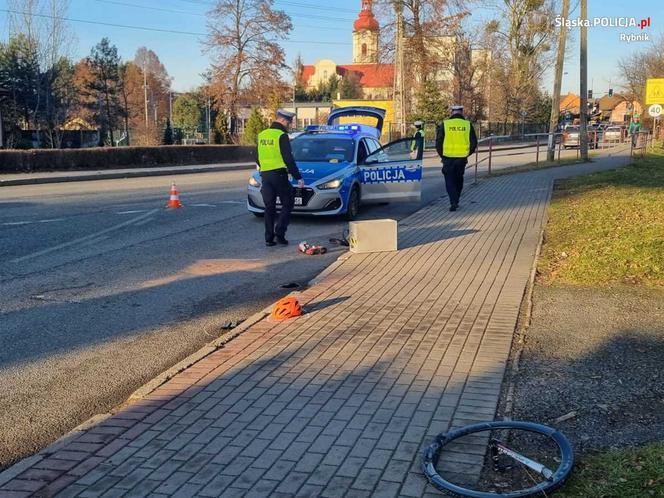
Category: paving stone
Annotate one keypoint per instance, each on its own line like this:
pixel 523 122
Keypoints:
pixel 322 474
pixel 367 479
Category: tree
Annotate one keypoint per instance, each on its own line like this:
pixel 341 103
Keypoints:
pixel 158 85
pixel 105 65
pixel 168 133
pixel 187 113
pixel 350 87
pixel 470 74
pixel 40 24
pixel 61 102
pixel 431 105
pixel 521 38
pixel 255 124
pixel 19 73
pixel 243 38
pixel 636 68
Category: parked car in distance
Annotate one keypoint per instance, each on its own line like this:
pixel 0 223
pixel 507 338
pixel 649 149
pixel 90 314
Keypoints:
pixel 613 134
pixel 571 137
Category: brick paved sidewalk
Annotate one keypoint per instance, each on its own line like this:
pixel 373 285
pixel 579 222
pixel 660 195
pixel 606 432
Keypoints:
pixel 394 349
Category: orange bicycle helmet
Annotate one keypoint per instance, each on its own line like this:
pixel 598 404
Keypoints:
pixel 286 308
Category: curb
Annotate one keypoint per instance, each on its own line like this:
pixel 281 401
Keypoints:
pixel 127 174
pixel 523 327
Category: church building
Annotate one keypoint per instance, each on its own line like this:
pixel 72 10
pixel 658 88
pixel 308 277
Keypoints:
pixel 375 79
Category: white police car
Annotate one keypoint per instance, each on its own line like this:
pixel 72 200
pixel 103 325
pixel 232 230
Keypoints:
pixel 345 166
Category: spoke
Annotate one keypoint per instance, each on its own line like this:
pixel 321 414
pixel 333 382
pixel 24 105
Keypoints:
pixel 532 464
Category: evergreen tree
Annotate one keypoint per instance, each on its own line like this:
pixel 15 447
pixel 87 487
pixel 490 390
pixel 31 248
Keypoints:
pixel 431 105
pixel 255 124
pixel 20 75
pixel 187 113
pixel 106 83
pixel 168 133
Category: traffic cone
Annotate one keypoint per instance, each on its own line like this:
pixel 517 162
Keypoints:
pixel 174 201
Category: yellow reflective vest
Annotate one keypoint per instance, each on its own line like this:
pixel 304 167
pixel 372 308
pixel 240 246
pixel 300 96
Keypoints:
pixel 457 137
pixel 269 152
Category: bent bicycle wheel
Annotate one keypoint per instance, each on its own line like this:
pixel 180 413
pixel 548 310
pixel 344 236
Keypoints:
pixel 506 459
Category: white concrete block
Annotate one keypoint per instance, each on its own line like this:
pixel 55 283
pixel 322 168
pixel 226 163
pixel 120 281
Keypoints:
pixel 372 236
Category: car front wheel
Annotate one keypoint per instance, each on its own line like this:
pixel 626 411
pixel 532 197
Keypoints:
pixel 353 204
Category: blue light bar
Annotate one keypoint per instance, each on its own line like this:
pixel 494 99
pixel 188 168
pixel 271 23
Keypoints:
pixel 351 129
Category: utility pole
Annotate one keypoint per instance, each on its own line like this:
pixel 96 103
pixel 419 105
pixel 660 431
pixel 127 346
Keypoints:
pixel 583 138
pixel 399 90
pixel 208 112
pixel 557 85
pixel 145 92
pixel 170 106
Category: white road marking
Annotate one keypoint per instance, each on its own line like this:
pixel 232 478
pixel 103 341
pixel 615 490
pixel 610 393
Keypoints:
pixel 232 202
pixel 17 223
pixel 204 205
pixel 94 241
pixel 83 239
pixel 133 212
pixel 143 222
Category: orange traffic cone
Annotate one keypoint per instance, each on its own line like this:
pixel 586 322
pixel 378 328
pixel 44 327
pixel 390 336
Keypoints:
pixel 174 201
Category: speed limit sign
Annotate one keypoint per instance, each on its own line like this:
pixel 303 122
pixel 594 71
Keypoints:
pixel 655 110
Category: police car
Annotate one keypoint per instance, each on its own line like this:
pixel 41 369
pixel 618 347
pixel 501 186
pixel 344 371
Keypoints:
pixel 344 166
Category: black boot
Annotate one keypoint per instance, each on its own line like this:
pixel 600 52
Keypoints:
pixel 281 240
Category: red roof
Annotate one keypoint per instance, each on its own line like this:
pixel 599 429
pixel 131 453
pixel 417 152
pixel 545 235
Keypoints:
pixel 371 75
pixel 307 72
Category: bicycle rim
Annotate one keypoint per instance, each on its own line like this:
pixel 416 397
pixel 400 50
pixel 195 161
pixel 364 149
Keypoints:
pixel 508 459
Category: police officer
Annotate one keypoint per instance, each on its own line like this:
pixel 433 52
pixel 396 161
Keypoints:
pixel 419 136
pixel 455 141
pixel 276 162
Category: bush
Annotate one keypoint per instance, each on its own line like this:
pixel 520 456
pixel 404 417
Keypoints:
pixel 15 161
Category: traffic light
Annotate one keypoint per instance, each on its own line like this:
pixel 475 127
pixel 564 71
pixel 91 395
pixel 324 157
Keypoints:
pixel 590 94
pixel 610 92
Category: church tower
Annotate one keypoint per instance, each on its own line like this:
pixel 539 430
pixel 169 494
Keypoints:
pixel 365 36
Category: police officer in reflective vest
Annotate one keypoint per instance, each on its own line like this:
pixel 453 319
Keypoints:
pixel 276 162
pixel 455 141
pixel 419 136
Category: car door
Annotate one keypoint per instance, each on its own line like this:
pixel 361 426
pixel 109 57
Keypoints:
pixel 393 173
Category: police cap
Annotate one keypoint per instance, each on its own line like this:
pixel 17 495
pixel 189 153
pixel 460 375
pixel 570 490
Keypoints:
pixel 284 114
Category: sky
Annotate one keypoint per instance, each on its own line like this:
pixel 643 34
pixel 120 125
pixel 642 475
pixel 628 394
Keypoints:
pixel 322 30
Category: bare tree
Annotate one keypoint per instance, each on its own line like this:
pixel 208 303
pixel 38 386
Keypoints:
pixel 522 36
pixel 429 32
pixel 636 68
pixel 41 22
pixel 243 39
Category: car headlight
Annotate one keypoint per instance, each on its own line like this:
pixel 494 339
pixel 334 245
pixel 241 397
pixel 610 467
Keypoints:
pixel 332 184
pixel 253 182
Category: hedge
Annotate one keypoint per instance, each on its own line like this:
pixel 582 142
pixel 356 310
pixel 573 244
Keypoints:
pixel 26 161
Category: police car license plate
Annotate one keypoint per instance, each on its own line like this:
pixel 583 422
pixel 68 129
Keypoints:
pixel 298 201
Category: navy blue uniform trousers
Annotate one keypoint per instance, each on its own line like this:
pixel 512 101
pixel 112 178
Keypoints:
pixel 275 184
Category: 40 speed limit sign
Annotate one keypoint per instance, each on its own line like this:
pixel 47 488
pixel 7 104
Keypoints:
pixel 655 110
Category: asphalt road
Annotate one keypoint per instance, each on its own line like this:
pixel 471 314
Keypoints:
pixel 102 288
